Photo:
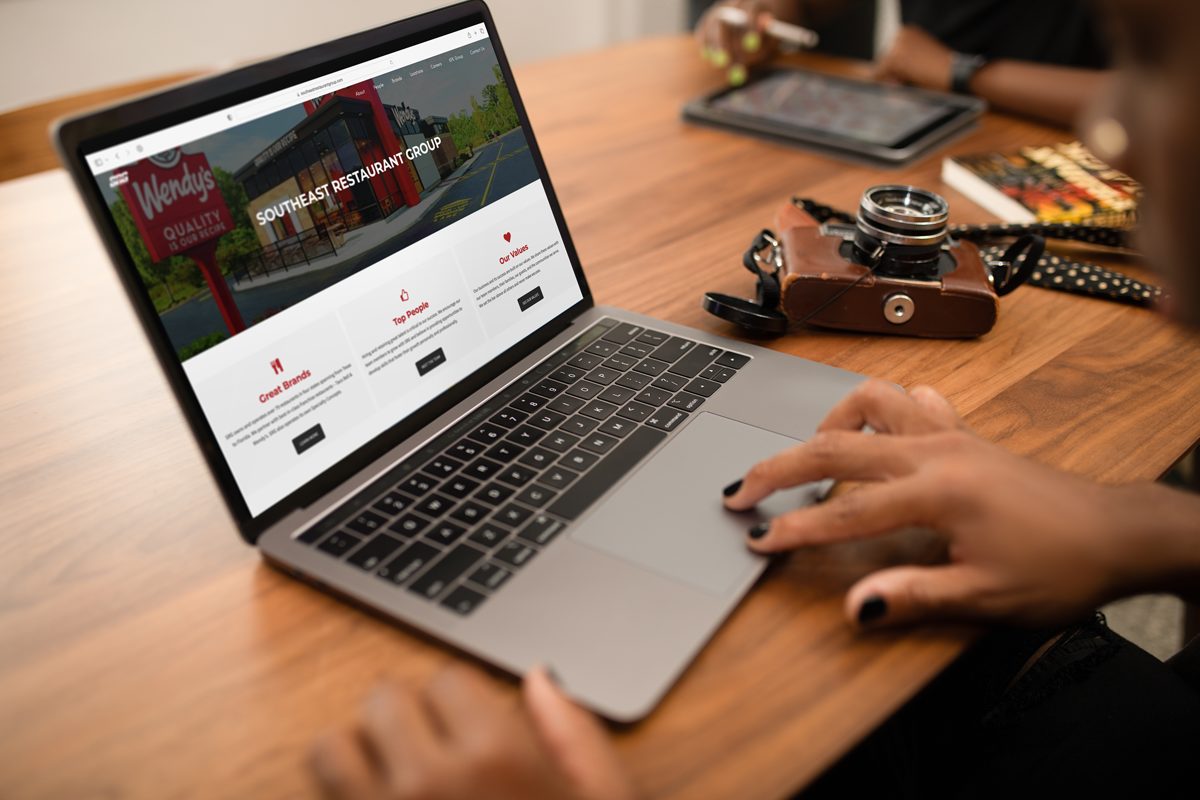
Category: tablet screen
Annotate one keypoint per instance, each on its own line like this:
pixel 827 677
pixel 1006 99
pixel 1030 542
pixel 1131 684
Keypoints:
pixel 874 114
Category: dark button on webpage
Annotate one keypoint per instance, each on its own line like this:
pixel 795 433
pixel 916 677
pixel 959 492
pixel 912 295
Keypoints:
pixel 426 363
pixel 308 438
pixel 530 298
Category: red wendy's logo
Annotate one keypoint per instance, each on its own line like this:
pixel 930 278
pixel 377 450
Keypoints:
pixel 175 203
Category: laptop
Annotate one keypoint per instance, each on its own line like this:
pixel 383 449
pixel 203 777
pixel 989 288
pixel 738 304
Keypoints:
pixel 352 266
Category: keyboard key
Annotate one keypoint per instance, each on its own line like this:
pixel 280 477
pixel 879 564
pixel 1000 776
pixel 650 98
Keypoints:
pixel 603 375
pixel 652 366
pixel 393 503
pixel 504 452
pixel 672 383
pixel 652 337
pixel 490 576
pixel 512 515
pixel 411 560
pixel 559 441
pixel 366 523
pixel 536 496
pixel 529 403
pixel 666 419
pixel 575 500
pixel 636 350
pixel 538 458
pixel 701 356
pixel 686 401
pixel 602 348
pixel 516 475
pixel 376 551
pixel 673 349
pixel 515 554
pixel 598 409
pixel 585 361
pixel 435 505
pixel 558 477
pixel 463 600
pixel 482 468
pixel 617 394
pixel 442 466
pixel 616 426
pixel 339 542
pixel 409 525
pixel 624 332
pixel 526 435
pixel 546 420
pixel 598 443
pixel 702 387
pixel 508 418
pixel 567 374
pixel 733 360
pixel 494 494
pixel 459 486
pixel 585 390
pixel 635 411
pixel 486 433
pixel 579 426
pixel 418 485
pixel 565 404
pixel 446 571
pixel 445 533
pixel 634 380
pixel 466 450
pixel 579 459
pixel 541 530
pixel 549 388
pixel 489 535
pixel 470 512
pixel 620 362
pixel 653 397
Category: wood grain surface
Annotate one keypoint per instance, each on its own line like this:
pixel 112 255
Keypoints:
pixel 146 653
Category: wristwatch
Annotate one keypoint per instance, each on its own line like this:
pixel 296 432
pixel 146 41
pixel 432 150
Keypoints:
pixel 963 67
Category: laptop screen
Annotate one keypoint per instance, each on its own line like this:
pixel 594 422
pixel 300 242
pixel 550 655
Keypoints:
pixel 329 258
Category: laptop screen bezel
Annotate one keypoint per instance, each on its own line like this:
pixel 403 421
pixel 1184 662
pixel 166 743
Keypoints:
pixel 111 126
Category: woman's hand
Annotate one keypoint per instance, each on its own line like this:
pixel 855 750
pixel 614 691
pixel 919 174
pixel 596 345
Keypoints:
pixel 918 59
pixel 462 737
pixel 736 49
pixel 1027 543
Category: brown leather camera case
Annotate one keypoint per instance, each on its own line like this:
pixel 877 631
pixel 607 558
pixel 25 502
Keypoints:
pixel 962 304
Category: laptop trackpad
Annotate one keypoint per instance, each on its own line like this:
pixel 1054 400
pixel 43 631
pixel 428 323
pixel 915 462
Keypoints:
pixel 668 515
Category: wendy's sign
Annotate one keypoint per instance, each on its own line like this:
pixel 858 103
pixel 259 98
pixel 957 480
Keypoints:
pixel 175 203
pixel 179 211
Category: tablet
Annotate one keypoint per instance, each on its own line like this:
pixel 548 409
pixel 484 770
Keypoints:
pixel 884 122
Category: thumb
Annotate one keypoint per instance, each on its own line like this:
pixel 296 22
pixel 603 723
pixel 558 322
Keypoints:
pixel 576 739
pixel 902 595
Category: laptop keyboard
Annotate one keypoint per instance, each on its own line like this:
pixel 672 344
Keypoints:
pixel 455 521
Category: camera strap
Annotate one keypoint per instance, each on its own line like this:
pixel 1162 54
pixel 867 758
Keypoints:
pixel 1014 264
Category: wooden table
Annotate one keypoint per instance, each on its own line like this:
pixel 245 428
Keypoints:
pixel 145 652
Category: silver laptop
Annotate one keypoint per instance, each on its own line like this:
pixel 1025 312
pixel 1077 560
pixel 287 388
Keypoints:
pixel 355 273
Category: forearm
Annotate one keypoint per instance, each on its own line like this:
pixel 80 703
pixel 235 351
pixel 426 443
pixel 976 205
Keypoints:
pixel 1052 93
pixel 1159 550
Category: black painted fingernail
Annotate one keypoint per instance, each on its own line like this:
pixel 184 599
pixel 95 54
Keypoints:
pixel 732 488
pixel 760 530
pixel 873 608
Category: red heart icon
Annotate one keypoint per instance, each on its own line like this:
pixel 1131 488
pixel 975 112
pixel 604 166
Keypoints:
pixel 508 237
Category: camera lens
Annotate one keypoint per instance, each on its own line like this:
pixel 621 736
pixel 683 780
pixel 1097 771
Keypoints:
pixel 900 229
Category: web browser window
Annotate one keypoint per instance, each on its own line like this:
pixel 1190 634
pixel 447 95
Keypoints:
pixel 330 258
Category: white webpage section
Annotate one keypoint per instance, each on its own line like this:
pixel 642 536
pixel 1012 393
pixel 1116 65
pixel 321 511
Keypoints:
pixel 298 392
pixel 110 158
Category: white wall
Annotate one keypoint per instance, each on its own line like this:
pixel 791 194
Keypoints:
pixel 51 48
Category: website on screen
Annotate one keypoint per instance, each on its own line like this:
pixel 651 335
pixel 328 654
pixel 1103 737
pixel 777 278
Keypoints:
pixel 328 259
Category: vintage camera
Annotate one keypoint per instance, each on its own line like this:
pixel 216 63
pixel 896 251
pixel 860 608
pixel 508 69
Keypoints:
pixel 895 269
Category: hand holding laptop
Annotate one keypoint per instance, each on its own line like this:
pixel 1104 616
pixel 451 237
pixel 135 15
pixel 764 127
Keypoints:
pixel 464 737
